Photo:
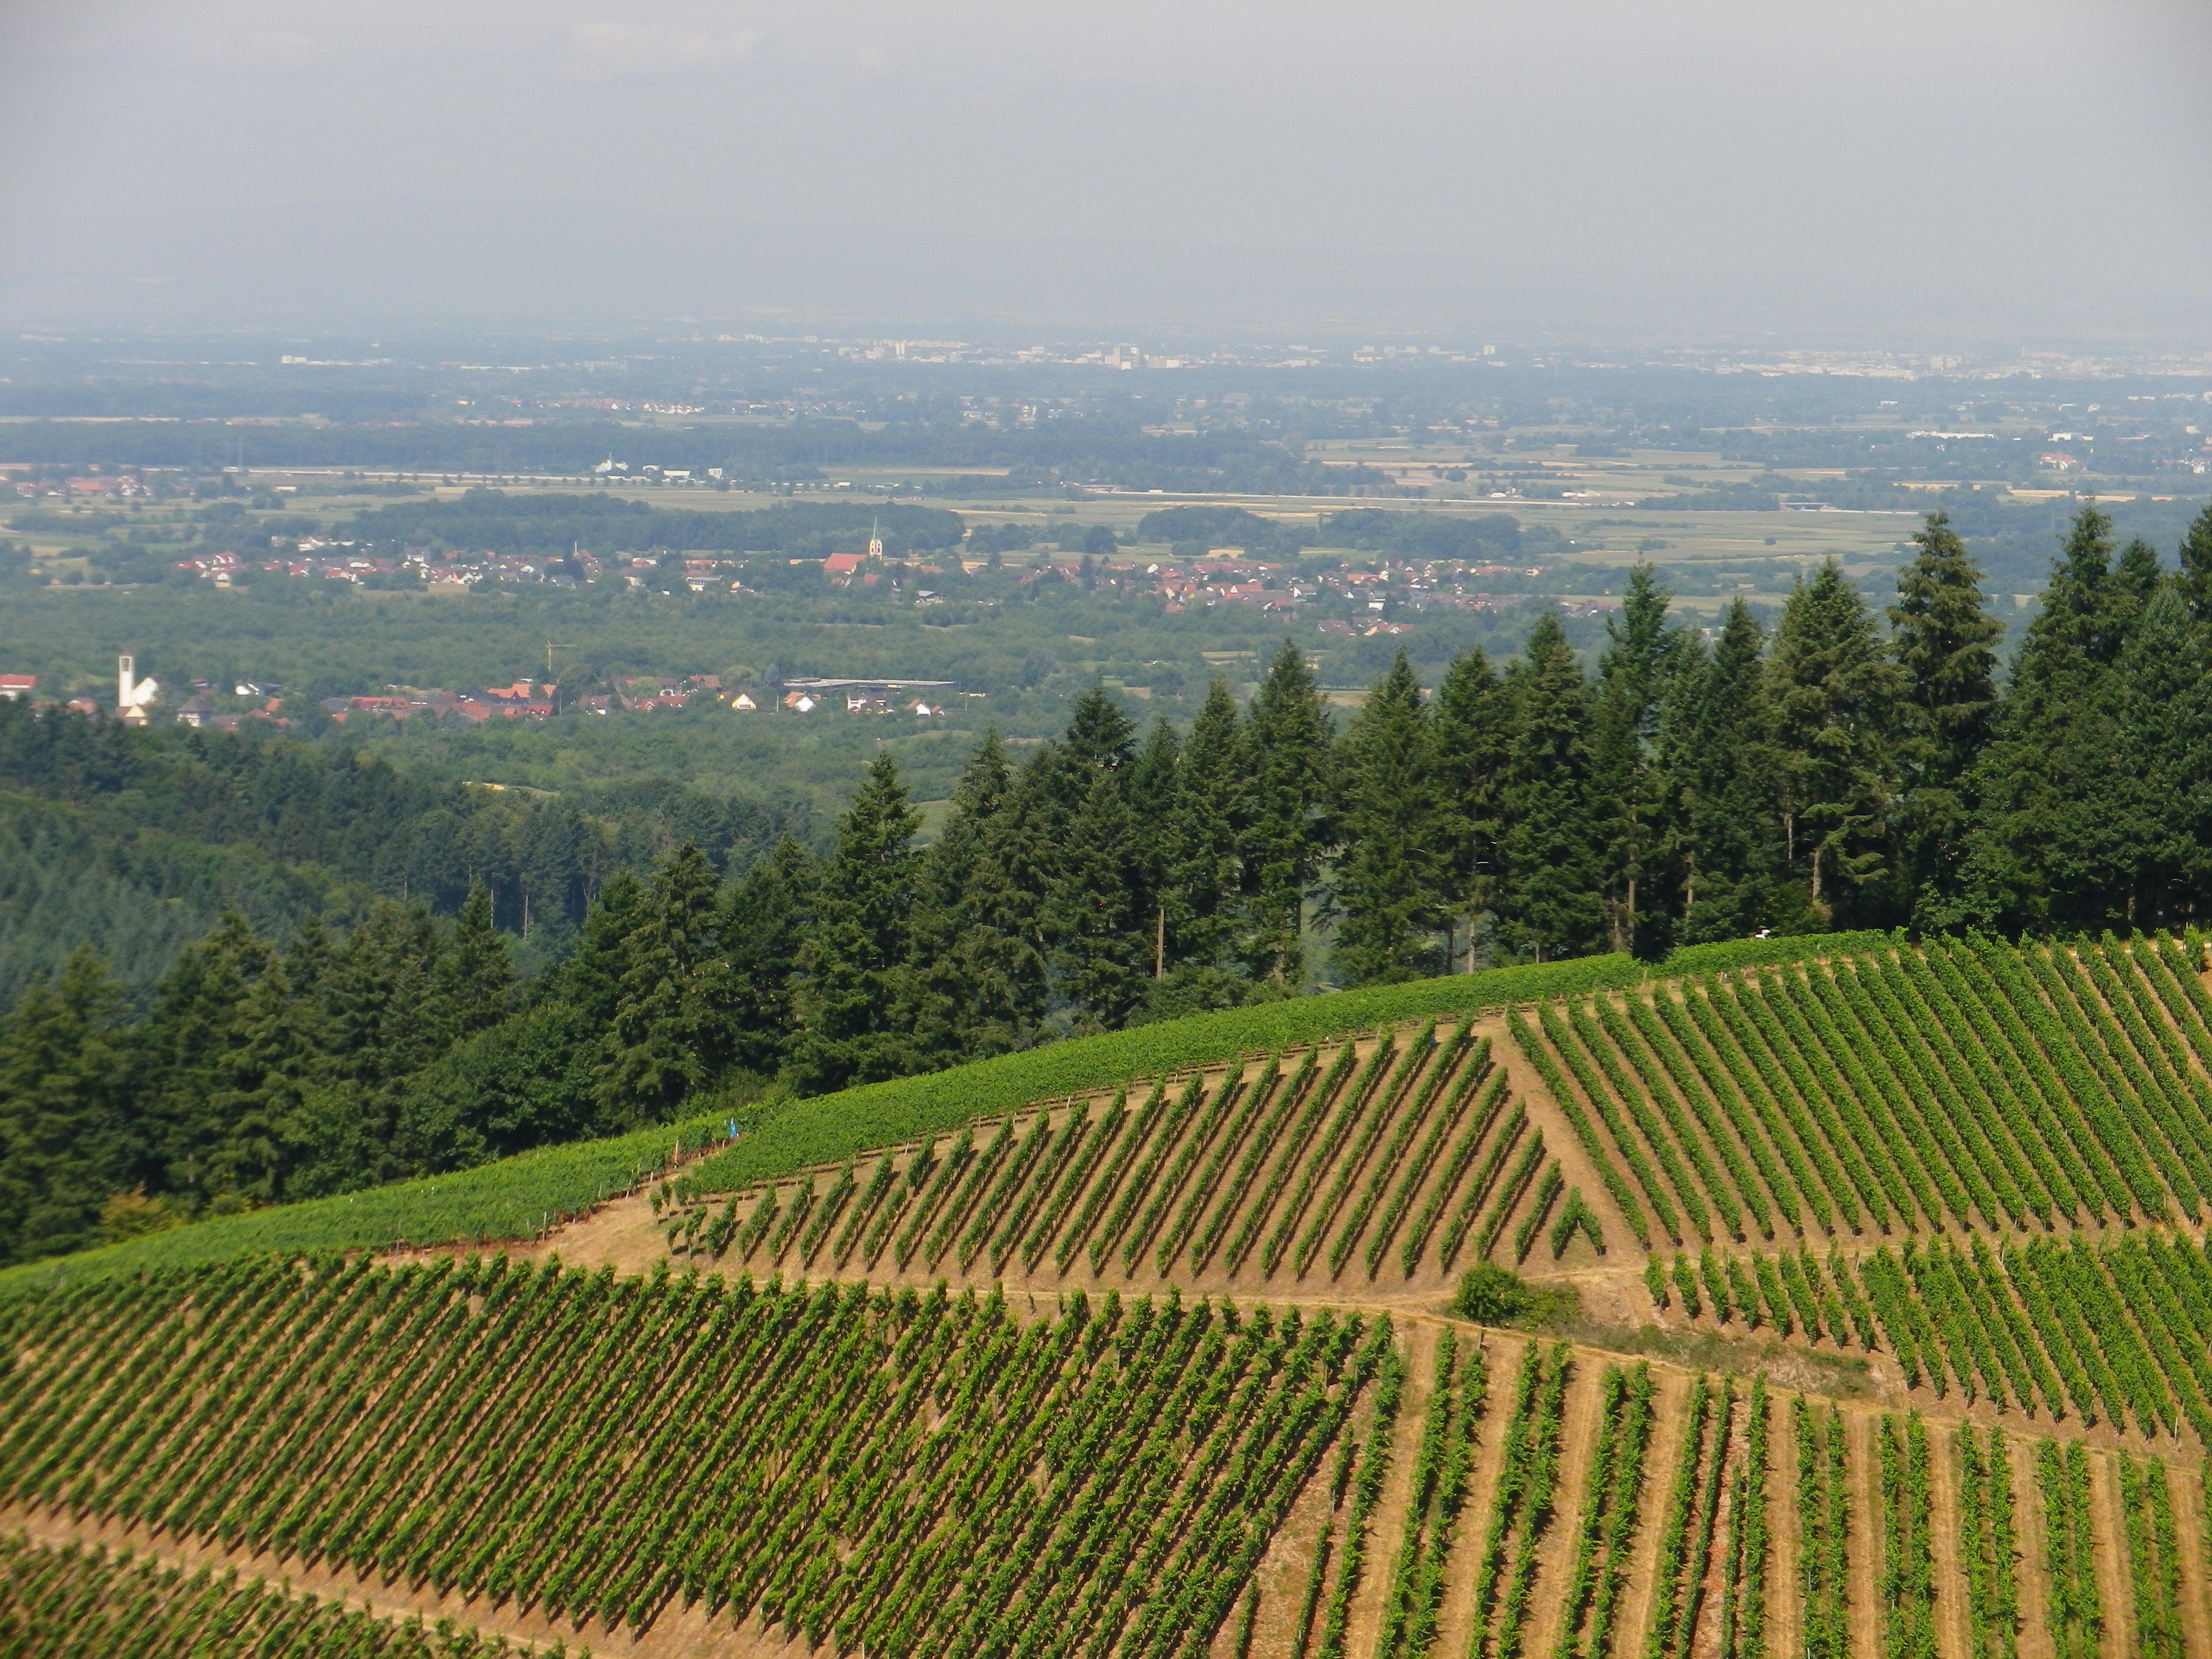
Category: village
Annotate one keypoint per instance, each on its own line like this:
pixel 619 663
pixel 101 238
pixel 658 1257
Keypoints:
pixel 140 702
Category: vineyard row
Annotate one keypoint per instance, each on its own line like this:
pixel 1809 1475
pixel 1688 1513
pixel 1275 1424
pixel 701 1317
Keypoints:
pixel 1415 1156
pixel 1956 1086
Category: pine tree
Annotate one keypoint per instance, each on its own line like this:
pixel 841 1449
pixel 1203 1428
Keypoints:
pixel 967 932
pixel 1552 903
pixel 1101 910
pixel 1627 776
pixel 1386 877
pixel 2195 580
pixel 64 1094
pixel 1153 789
pixel 185 1051
pixel 1831 695
pixel 1286 742
pixel 1713 736
pixel 1473 739
pixel 1943 639
pixel 2163 691
pixel 475 982
pixel 1100 737
pixel 852 967
pixel 591 979
pixel 1206 872
pixel 2051 842
pixel 764 925
pixel 671 1032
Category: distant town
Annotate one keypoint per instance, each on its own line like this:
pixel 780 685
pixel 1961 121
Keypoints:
pixel 138 702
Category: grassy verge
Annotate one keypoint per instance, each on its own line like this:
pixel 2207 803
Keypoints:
pixel 515 1198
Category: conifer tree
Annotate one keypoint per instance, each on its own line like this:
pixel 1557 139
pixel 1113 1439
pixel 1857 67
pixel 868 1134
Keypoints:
pixel 1628 779
pixel 672 1029
pixel 1153 790
pixel 591 977
pixel 1386 877
pixel 1101 910
pixel 1100 737
pixel 853 966
pixel 185 1050
pixel 1205 872
pixel 1831 695
pixel 1286 741
pixel 62 1100
pixel 2161 685
pixel 475 982
pixel 967 933
pixel 1553 904
pixel 764 925
pixel 2195 580
pixel 1943 639
pixel 1728 838
pixel 1474 739
pixel 2050 845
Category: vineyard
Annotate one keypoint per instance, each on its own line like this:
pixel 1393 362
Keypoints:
pixel 1399 1159
pixel 1895 1341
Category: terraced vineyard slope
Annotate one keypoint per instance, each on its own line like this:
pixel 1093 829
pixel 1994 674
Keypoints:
pixel 1895 1339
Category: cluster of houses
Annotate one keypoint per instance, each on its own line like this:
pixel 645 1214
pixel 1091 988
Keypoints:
pixel 136 699
pixel 524 700
pixel 646 694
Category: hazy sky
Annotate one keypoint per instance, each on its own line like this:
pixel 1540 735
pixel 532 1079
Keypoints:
pixel 1950 164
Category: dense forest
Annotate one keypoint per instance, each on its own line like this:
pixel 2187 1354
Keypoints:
pixel 139 841
pixel 1839 774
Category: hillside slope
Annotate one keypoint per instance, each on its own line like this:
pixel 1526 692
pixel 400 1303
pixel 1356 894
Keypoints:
pixel 1895 1336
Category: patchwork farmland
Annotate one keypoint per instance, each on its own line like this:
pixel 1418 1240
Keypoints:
pixel 1890 1333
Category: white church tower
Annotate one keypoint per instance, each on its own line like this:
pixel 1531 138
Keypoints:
pixel 131 694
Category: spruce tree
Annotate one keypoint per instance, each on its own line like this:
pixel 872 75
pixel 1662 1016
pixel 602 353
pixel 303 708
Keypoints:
pixel 474 976
pixel 2195 580
pixel 2162 684
pixel 1474 739
pixel 672 1028
pixel 1943 639
pixel 591 979
pixel 1386 877
pixel 2049 846
pixel 1205 868
pixel 765 924
pixel 185 1051
pixel 1832 696
pixel 1629 780
pixel 1153 789
pixel 1553 902
pixel 1729 844
pixel 1102 911
pixel 967 932
pixel 64 1097
pixel 1100 737
pixel 1286 741
pixel 852 967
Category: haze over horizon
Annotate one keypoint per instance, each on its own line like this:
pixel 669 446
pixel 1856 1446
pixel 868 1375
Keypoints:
pixel 1958 171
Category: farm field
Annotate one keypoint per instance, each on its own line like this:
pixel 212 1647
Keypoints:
pixel 1890 1333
